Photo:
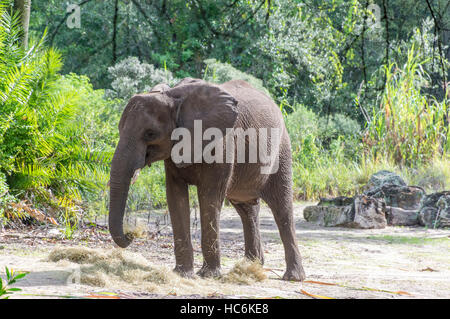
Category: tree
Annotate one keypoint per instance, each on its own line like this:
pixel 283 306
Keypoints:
pixel 24 7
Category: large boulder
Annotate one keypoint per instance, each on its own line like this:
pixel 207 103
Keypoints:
pixel 368 213
pixel 327 216
pixel 443 205
pixel 384 178
pixel 330 212
pixel 397 216
pixel 435 210
pixel 402 202
pixel 428 217
pixel 405 197
pixel 360 212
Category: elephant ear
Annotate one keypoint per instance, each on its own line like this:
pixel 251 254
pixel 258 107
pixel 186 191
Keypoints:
pixel 214 106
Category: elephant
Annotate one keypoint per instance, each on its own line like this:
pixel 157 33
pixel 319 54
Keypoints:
pixel 145 136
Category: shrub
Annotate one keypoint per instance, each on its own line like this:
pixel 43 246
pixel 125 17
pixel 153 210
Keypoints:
pixel 130 76
pixel 218 72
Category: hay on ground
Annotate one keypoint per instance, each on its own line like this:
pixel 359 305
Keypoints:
pixel 105 269
pixel 117 268
pixel 78 255
pixel 245 272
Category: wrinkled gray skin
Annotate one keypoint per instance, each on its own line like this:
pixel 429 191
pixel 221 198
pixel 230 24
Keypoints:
pixel 145 137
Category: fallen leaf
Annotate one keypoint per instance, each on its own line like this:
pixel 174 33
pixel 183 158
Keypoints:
pixel 315 296
pixel 403 293
pixel 318 282
pixel 429 269
pixel 388 291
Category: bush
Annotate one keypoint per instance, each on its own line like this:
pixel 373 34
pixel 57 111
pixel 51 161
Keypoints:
pixel 218 72
pixel 324 154
pixel 130 76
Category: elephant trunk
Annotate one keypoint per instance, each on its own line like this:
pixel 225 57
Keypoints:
pixel 123 166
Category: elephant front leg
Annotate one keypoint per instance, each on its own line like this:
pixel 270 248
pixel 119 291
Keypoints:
pixel 178 202
pixel 210 205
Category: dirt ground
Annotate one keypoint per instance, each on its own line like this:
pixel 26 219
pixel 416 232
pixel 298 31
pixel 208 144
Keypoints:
pixel 395 262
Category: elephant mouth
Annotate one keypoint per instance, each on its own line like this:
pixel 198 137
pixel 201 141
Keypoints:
pixel 148 160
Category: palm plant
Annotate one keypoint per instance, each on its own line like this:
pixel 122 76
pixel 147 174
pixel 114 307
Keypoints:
pixel 43 146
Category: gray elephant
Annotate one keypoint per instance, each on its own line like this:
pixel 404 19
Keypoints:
pixel 146 129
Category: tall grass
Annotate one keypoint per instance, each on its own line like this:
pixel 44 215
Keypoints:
pixel 409 127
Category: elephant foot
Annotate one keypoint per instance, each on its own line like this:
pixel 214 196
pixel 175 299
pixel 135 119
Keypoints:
pixel 209 272
pixel 186 272
pixel 294 274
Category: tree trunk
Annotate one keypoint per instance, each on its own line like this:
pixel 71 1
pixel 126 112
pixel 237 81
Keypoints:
pixel 24 7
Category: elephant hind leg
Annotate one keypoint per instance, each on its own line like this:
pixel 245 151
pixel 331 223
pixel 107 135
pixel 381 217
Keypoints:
pixel 278 195
pixel 249 213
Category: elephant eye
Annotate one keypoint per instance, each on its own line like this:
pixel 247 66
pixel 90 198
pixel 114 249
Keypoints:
pixel 149 135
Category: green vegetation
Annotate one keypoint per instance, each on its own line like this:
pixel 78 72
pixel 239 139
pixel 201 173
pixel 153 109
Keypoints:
pixel 11 278
pixel 409 128
pixel 357 96
pixel 50 153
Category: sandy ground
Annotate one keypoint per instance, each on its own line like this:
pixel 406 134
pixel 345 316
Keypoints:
pixel 395 262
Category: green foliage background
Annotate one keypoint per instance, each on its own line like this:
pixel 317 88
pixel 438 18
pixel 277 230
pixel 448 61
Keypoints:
pixel 357 96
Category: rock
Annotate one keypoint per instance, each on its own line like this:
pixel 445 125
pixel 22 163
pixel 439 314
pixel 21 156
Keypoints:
pixel 432 199
pixel 327 216
pixel 337 201
pixel 402 202
pixel 384 178
pixel 443 205
pixel 405 197
pixel 368 213
pixel 363 212
pixel 435 210
pixel 427 217
pixel 387 200
pixel 397 216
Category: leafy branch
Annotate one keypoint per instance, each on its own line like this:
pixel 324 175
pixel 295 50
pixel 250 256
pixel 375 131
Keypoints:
pixel 11 278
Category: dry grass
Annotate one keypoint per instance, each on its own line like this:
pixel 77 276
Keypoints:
pixel 122 269
pixel 245 272
pixel 78 255
pixel 114 267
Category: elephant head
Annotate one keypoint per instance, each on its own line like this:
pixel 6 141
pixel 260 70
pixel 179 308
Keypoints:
pixel 145 130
